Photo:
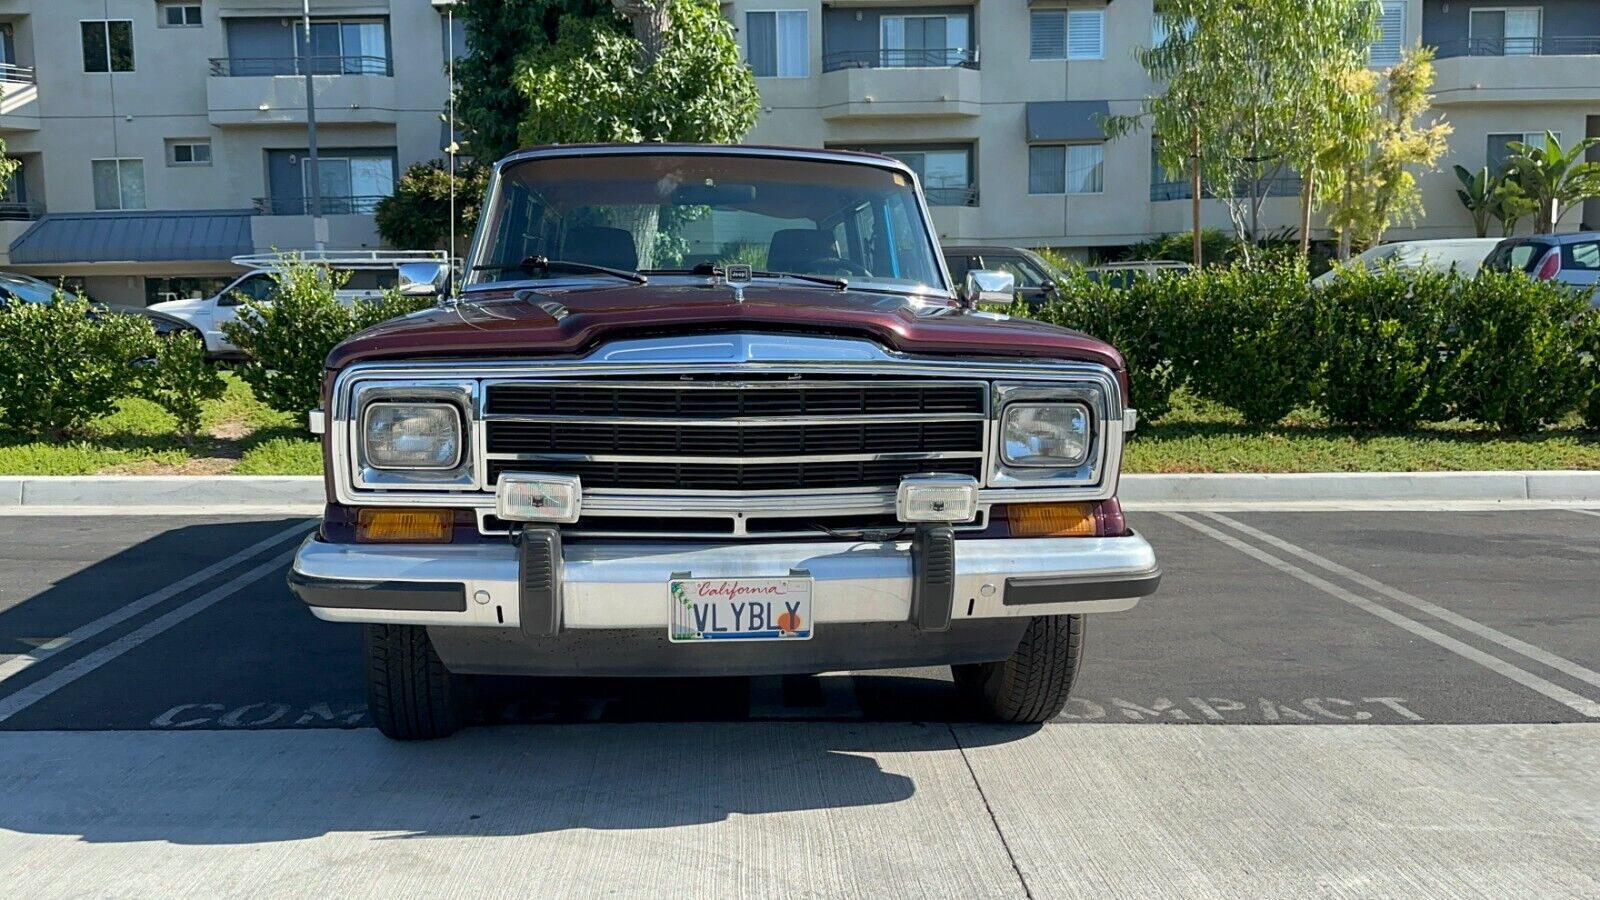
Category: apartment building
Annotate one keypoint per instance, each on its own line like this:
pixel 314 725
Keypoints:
pixel 159 138
pixel 997 106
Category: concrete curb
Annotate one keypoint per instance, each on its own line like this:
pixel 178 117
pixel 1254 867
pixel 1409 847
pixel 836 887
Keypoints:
pixel 222 493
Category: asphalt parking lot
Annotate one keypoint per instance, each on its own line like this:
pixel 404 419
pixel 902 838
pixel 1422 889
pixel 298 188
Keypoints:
pixel 1432 673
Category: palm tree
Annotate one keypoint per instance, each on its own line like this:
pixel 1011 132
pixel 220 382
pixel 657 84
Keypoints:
pixel 1490 195
pixel 1554 178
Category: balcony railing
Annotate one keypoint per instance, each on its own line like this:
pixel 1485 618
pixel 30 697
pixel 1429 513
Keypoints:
pixel 945 58
pixel 16 211
pixel 951 196
pixel 1287 186
pixel 17 74
pixel 331 206
pixel 1563 45
pixel 258 66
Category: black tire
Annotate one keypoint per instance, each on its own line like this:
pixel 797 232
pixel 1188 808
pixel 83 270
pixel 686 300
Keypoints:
pixel 1034 683
pixel 411 695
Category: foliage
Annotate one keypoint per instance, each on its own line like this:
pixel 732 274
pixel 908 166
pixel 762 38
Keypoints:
pixel 66 363
pixel 181 381
pixel 1245 330
pixel 596 83
pixel 1524 347
pixel 1493 195
pixel 1553 178
pixel 1218 247
pixel 499 33
pixel 287 339
pixel 417 215
pixel 1372 190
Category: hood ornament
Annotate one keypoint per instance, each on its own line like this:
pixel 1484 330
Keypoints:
pixel 736 276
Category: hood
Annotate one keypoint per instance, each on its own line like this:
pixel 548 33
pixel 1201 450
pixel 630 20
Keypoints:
pixel 177 306
pixel 568 322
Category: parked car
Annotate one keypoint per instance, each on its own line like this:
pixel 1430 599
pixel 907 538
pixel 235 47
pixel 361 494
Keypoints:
pixel 1034 276
pixel 370 272
pixel 27 289
pixel 1122 274
pixel 1465 255
pixel 599 463
pixel 1568 258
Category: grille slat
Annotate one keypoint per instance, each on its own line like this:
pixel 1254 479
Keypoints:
pixel 682 423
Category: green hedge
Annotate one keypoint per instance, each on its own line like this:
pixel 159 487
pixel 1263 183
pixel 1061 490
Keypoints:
pixel 1384 349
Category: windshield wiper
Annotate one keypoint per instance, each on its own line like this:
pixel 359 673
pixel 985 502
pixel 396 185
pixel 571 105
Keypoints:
pixel 545 264
pixel 717 271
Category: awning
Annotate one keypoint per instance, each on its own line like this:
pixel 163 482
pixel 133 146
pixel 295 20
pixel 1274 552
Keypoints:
pixel 143 236
pixel 1067 120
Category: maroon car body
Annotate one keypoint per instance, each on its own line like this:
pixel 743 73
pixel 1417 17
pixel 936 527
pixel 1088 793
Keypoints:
pixel 718 410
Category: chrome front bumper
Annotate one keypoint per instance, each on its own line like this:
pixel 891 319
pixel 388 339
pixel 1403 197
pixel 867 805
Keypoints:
pixel 624 585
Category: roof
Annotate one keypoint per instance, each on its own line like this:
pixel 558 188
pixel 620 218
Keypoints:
pixel 666 149
pixel 1067 120
pixel 128 236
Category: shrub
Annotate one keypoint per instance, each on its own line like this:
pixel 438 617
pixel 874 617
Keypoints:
pixel 1137 320
pixel 181 380
pixel 287 339
pixel 1383 336
pixel 1246 336
pixel 66 363
pixel 1523 347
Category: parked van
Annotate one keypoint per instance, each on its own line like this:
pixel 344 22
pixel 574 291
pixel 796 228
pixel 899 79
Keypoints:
pixel 371 272
pixel 1465 255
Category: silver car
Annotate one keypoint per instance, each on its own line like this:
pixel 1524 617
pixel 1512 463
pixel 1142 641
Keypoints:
pixel 1568 258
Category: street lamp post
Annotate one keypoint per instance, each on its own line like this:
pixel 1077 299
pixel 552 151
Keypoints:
pixel 319 225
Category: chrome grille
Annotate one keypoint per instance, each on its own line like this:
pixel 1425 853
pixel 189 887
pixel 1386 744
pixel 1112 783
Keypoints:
pixel 772 435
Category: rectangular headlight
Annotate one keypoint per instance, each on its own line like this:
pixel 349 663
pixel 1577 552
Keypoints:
pixel 1045 434
pixel 411 436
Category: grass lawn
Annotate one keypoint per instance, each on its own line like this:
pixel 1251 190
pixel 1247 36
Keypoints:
pixel 243 437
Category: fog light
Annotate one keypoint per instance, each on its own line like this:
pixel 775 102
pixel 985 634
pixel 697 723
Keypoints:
pixel 936 498
pixel 1051 519
pixel 389 526
pixel 529 497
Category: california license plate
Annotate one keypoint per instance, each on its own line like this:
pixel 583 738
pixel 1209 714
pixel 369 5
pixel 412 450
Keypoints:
pixel 740 609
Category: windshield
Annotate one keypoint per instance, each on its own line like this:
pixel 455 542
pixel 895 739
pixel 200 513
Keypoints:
pixel 575 216
pixel 31 290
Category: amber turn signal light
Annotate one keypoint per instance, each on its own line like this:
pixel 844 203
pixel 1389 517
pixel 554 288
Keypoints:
pixel 1051 519
pixel 389 526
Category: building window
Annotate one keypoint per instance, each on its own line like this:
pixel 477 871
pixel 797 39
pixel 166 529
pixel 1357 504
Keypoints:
pixel 923 40
pixel 945 172
pixel 1505 32
pixel 1391 42
pixel 108 45
pixel 1066 168
pixel 1499 149
pixel 352 183
pixel 179 15
pixel 354 47
pixel 1067 34
pixel 118 183
pixel 778 43
pixel 189 152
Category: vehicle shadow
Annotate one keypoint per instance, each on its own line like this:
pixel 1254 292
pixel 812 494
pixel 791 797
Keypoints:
pixel 219 788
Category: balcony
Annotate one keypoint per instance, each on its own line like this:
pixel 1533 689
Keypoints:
pixel 255 91
pixel 874 84
pixel 19 99
pixel 1518 70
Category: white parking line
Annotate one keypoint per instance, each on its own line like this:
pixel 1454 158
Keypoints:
pixel 1577 702
pixel 55 681
pixel 16 665
pixel 1560 664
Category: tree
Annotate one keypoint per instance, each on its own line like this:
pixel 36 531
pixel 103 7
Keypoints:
pixel 1375 189
pixel 1553 178
pixel 489 108
pixel 417 216
pixel 1492 195
pixel 1251 94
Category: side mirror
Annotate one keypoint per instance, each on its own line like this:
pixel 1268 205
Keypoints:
pixel 422 279
pixel 988 287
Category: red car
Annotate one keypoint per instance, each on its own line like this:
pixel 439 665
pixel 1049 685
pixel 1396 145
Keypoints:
pixel 717 411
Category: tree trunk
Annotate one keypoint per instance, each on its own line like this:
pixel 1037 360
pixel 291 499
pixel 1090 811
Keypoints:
pixel 651 20
pixel 1306 186
pixel 1194 196
pixel 1344 231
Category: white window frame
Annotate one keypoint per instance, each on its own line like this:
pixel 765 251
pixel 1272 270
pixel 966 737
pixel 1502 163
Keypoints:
pixel 107 23
pixel 1400 45
pixel 1066 158
pixel 161 14
pixel 777 47
pixel 1067 15
pixel 1503 10
pixel 172 152
pixel 119 160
